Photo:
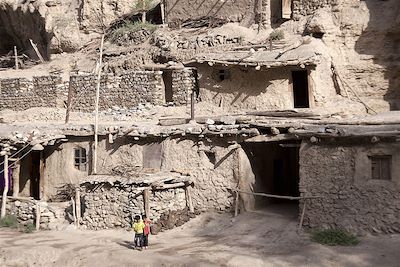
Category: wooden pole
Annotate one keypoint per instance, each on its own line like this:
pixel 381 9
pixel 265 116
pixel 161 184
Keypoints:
pixel 16 173
pixel 73 209
pixel 189 198
pixel 78 205
pixel 37 216
pixel 302 214
pixel 162 7
pixel 237 203
pixel 146 200
pixel 16 57
pixel 192 100
pixel 96 120
pixel 5 191
pixel 37 51
pixel 69 102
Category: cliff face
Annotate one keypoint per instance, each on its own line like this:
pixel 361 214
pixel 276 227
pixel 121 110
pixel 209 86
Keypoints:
pixel 56 26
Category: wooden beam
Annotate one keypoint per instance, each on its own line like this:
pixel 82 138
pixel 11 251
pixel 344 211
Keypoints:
pixel 78 205
pixel 96 119
pixel 16 57
pixel 16 173
pixel 38 213
pixel 5 191
pixel 189 198
pixel 237 203
pixel 37 51
pixel 302 214
pixel 146 201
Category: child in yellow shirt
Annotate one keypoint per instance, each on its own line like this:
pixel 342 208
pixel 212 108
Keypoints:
pixel 138 228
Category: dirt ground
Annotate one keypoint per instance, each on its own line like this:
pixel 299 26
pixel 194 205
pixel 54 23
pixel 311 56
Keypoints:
pixel 264 238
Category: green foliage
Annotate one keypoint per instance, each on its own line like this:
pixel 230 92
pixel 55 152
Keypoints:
pixel 142 5
pixel 9 221
pixel 277 35
pixel 29 228
pixel 130 27
pixel 334 237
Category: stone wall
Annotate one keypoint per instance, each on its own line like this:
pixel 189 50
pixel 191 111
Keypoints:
pixel 307 7
pixel 350 199
pixel 128 90
pixel 114 206
pixel 21 94
pixel 52 215
pixel 183 83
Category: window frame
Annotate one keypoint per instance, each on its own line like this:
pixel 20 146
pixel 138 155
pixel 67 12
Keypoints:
pixel 376 162
pixel 80 159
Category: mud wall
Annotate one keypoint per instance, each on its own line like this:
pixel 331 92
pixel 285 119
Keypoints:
pixel 212 178
pixel 245 88
pixel 350 198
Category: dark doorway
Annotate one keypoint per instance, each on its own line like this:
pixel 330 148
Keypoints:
pixel 276 168
pixel 167 78
pixel 29 179
pixel 300 89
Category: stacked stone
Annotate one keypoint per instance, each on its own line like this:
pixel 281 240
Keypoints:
pixel 307 7
pixel 343 203
pixel 16 94
pixel 114 206
pixel 129 90
pixel 46 90
pixel 207 41
pixel 52 215
pixel 183 83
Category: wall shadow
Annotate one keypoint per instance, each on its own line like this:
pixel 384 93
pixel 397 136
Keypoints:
pixel 381 39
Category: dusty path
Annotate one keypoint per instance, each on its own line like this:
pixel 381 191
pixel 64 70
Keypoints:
pixel 254 239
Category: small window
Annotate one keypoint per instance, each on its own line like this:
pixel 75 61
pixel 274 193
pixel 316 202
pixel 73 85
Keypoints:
pixel 381 167
pixel 80 159
pixel 221 75
pixel 211 156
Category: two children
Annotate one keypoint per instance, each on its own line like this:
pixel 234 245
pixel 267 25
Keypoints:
pixel 142 231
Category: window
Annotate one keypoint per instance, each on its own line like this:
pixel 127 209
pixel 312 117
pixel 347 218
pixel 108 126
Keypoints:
pixel 221 75
pixel 80 159
pixel 381 167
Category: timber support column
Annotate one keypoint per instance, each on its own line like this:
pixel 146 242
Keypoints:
pixel 15 178
pixel 146 201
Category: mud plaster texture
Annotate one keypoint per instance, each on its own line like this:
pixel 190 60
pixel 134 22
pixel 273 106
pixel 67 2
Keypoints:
pixel 350 198
pixel 267 89
pixel 112 206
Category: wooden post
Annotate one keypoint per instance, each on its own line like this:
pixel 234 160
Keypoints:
pixel 237 203
pixel 37 216
pixel 96 120
pixel 5 191
pixel 189 198
pixel 162 7
pixel 78 205
pixel 16 57
pixel 73 209
pixel 144 6
pixel 146 200
pixel 69 102
pixel 302 214
pixel 192 100
pixel 16 172
pixel 37 51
